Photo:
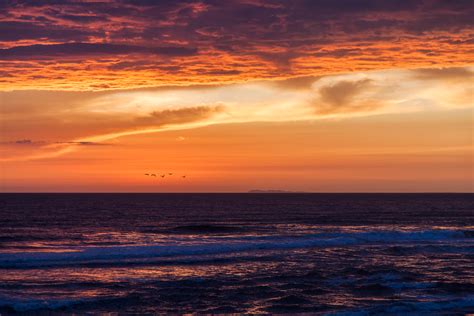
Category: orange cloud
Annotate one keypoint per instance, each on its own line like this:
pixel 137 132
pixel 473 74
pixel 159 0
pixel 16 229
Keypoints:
pixel 339 97
pixel 115 45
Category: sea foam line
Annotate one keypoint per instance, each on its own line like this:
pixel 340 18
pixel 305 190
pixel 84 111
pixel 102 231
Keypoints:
pixel 80 255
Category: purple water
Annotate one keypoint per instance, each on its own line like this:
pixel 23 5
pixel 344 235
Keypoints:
pixel 237 253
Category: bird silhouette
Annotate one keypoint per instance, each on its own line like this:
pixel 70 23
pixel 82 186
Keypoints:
pixel 170 174
pixel 153 175
pixel 162 175
pixel 184 176
pixel 146 174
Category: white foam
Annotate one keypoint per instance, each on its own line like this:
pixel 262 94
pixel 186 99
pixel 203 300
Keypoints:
pixel 118 254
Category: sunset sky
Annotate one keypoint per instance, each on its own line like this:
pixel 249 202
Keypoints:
pixel 317 96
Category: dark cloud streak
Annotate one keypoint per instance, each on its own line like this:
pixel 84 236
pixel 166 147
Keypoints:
pixel 454 73
pixel 340 97
pixel 179 116
pixel 28 30
pixel 88 49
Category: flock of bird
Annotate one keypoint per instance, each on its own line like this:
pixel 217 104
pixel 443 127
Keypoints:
pixel 161 175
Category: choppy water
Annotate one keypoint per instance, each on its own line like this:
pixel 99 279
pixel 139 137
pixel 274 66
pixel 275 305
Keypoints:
pixel 237 253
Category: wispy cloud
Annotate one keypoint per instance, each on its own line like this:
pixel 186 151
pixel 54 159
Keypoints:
pixel 97 118
pixel 341 97
pixel 179 116
pixel 454 73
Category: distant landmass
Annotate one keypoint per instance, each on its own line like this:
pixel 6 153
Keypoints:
pixel 274 191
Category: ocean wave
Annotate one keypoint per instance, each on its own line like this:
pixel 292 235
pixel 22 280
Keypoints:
pixel 28 304
pixel 205 229
pixel 216 246
pixel 9 304
pixel 459 306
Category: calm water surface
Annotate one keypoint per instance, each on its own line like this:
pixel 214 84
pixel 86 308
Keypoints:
pixel 332 254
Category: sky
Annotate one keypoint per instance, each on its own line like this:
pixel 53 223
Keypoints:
pixel 314 96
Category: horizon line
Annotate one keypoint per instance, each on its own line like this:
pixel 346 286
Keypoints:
pixel 240 192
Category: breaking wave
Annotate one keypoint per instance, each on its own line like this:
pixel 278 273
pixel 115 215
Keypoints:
pixel 229 245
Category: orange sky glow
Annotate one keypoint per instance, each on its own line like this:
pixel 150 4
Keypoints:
pixel 316 96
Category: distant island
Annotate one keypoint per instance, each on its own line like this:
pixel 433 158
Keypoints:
pixel 274 191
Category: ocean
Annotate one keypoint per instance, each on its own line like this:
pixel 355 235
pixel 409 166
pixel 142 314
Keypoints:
pixel 328 254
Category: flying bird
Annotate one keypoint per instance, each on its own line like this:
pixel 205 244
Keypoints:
pixel 146 174
pixel 153 175
pixel 162 175
pixel 170 174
